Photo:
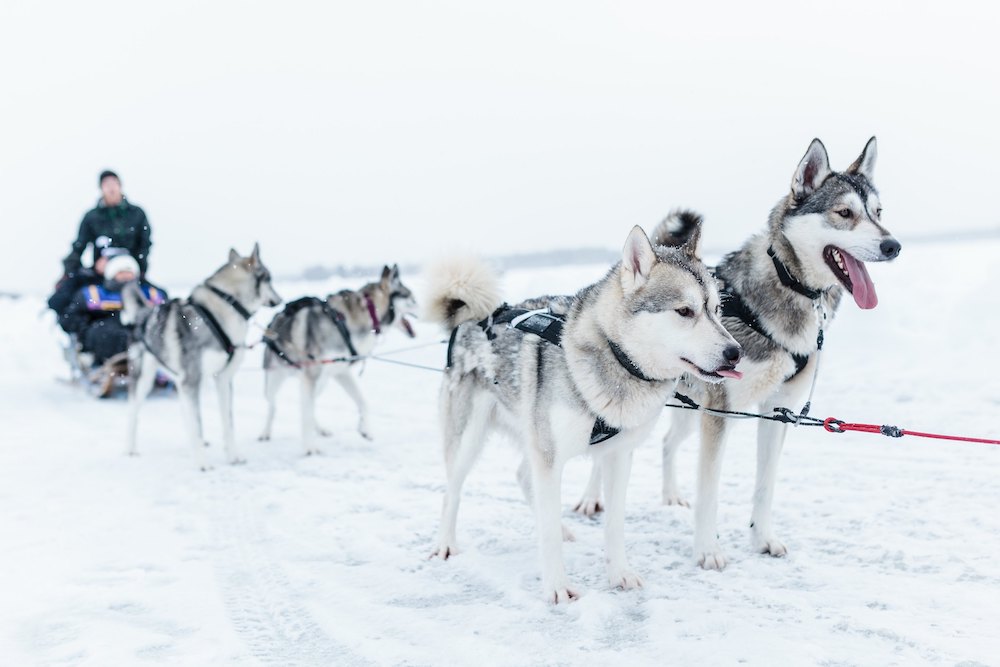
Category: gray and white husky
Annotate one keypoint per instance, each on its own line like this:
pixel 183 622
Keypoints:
pixel 778 289
pixel 603 378
pixel 196 337
pixel 305 338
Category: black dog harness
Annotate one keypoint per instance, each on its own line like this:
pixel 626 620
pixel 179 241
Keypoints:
pixel 733 305
pixel 548 326
pixel 335 316
pixel 213 323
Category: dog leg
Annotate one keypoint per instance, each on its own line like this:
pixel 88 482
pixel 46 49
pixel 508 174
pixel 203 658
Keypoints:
pixel 546 480
pixel 188 393
pixel 770 440
pixel 224 389
pixel 273 380
pixel 706 540
pixel 590 503
pixel 617 468
pixel 681 426
pixel 465 435
pixel 308 399
pixel 524 480
pixel 350 386
pixel 142 372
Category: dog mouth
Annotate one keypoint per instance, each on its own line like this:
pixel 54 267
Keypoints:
pixel 853 275
pixel 718 375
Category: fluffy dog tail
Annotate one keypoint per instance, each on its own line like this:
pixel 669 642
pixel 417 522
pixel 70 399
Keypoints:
pixel 460 290
pixel 133 303
pixel 677 228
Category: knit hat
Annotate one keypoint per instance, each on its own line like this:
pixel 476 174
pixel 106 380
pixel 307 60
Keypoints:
pixel 107 173
pixel 110 251
pixel 120 263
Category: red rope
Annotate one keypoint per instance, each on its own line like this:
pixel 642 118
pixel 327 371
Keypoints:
pixel 834 425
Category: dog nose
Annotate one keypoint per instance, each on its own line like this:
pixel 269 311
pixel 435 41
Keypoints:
pixel 732 354
pixel 890 248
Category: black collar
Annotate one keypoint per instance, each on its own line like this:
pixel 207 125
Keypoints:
pixel 628 364
pixel 231 300
pixel 790 281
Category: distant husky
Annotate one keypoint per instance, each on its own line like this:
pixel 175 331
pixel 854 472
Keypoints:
pixel 594 381
pixel 196 337
pixel 776 291
pixel 344 325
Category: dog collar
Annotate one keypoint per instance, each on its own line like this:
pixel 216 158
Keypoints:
pixel 628 364
pixel 376 324
pixel 790 281
pixel 231 300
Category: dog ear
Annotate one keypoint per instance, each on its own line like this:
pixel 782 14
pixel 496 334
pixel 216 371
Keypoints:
pixel 234 256
pixel 394 275
pixel 812 171
pixel 638 259
pixel 865 164
pixel 255 255
pixel 386 274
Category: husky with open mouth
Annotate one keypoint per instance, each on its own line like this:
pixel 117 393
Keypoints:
pixel 777 291
pixel 565 376
pixel 318 339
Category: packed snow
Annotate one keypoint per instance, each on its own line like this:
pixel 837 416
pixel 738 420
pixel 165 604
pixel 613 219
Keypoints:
pixel 287 560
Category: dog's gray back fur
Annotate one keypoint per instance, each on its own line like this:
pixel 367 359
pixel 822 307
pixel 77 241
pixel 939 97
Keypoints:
pixel 310 332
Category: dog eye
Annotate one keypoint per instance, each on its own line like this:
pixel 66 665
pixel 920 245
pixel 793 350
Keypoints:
pixel 878 213
pixel 685 312
pixel 844 213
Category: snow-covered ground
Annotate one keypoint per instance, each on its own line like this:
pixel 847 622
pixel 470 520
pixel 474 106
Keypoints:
pixel 110 560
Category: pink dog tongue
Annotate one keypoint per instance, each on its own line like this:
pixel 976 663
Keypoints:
pixel 864 289
pixel 736 375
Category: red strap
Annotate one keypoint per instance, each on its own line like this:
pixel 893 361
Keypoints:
pixel 834 425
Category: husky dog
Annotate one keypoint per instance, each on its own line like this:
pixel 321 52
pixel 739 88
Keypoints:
pixel 304 337
pixel 195 337
pixel 778 291
pixel 594 381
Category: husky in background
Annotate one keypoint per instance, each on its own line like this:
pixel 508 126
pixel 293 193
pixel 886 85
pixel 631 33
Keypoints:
pixel 597 385
pixel 304 337
pixel 779 289
pixel 196 337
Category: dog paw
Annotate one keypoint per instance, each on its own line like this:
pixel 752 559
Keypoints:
pixel 770 545
pixel 263 437
pixel 589 506
pixel 237 461
pixel 560 594
pixel 205 467
pixel 207 443
pixel 323 433
pixel 444 552
pixel 674 499
pixel 567 534
pixel 314 451
pixel 624 579
pixel 712 560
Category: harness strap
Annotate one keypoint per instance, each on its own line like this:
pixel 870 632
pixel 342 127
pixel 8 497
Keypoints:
pixel 231 300
pixel 335 315
pixel 628 364
pixel 733 305
pixel 790 281
pixel 376 324
pixel 215 328
pixel 548 326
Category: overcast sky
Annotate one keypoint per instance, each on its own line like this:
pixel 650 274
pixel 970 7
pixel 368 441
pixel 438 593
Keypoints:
pixel 399 131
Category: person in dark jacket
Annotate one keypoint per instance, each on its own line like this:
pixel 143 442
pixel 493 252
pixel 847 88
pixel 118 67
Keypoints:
pixel 114 222
pixel 95 312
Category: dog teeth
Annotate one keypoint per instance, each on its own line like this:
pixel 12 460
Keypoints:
pixel 838 258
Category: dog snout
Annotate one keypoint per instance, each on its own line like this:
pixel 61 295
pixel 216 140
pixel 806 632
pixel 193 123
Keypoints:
pixel 890 248
pixel 732 354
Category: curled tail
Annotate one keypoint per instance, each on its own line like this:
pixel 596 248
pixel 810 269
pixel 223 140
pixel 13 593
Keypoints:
pixel 134 303
pixel 459 290
pixel 678 228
